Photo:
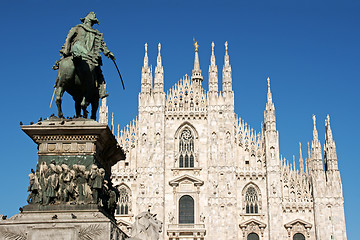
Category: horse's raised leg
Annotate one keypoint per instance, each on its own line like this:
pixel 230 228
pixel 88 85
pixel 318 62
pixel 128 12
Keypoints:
pixel 59 93
pixel 94 108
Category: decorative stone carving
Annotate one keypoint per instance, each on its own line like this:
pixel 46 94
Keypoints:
pixel 298 226
pixel 91 232
pixel 59 184
pixel 146 227
pixel 252 225
pixel 171 217
pixel 10 235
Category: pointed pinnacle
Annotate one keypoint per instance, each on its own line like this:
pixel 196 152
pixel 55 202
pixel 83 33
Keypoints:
pixel 226 47
pixel 315 132
pixel 314 120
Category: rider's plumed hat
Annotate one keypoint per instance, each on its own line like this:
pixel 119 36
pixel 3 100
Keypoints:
pixel 92 17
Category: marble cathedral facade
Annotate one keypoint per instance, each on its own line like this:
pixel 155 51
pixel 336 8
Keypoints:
pixel 208 175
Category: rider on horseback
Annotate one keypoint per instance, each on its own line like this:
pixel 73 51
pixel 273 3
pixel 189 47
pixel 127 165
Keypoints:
pixel 85 43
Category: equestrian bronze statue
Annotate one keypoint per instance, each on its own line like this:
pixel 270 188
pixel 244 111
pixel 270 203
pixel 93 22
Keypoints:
pixel 79 71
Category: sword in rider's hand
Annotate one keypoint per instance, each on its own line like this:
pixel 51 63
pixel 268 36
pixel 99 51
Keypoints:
pixel 52 97
pixel 122 82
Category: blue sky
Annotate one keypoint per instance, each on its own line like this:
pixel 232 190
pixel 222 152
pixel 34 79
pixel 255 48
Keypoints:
pixel 309 50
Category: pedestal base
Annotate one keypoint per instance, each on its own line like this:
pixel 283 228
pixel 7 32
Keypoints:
pixel 57 224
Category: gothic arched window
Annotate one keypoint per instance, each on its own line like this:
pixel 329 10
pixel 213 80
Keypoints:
pixel 123 207
pixel 251 200
pixel 298 236
pixel 186 210
pixel 186 149
pixel 252 236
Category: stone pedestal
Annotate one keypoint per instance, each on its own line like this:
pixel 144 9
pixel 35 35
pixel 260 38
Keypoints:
pixel 65 224
pixel 71 196
pixel 76 141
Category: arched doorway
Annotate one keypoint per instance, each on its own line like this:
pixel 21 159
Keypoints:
pixel 253 236
pixel 186 210
pixel 298 236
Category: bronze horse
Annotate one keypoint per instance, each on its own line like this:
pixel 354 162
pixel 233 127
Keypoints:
pixel 78 78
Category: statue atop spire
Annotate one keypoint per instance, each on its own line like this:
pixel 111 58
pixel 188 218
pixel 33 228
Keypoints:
pixel 196 72
pixel 146 59
pixel 196 45
pixel 146 76
pixel 315 133
pixel 227 76
pixel 212 61
pixel 269 95
pixel 159 74
pixel 329 137
pixel 159 55
pixel 213 73
pixel 314 120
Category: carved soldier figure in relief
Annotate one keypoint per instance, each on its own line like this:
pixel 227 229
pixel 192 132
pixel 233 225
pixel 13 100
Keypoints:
pixel 51 185
pixel 66 189
pixel 96 181
pixel 33 188
pixel 81 180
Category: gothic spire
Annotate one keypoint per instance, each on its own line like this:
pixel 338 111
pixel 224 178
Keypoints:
pixel 316 156
pixel 196 72
pixel 146 76
pixel 227 78
pixel 104 112
pixel 269 95
pixel 269 114
pixel 159 74
pixel 301 161
pixel 309 157
pixel 146 59
pixel 328 135
pixel 330 156
pixel 213 73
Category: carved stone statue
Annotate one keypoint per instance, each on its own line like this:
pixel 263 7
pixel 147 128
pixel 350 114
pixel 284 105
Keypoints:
pixel 96 181
pixel 79 71
pixel 33 188
pixel 81 179
pixel 51 184
pixel 66 183
pixel 146 227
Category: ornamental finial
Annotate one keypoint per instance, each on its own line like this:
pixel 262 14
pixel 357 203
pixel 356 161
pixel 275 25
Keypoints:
pixel 196 45
pixel 327 121
pixel 159 47
pixel 146 47
pixel 226 46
